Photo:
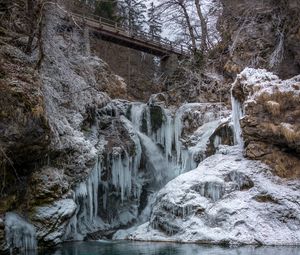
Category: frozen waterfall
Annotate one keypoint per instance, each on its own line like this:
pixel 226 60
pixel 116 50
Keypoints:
pixel 86 198
pixel 177 158
pixel 19 233
pixel 156 163
pixel 237 114
pixel 160 154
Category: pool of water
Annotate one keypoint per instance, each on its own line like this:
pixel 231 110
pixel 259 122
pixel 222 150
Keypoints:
pixel 141 248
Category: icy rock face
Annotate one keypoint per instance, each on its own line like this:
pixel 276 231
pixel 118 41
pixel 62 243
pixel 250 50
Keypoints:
pixel 20 235
pixel 51 221
pixel 271 122
pixel 227 199
pixel 48 185
pixel 51 126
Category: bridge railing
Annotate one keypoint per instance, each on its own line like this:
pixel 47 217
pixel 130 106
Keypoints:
pixel 143 36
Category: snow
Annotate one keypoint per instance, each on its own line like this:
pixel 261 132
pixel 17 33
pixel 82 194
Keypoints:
pixel 50 220
pixel 260 81
pixel 227 199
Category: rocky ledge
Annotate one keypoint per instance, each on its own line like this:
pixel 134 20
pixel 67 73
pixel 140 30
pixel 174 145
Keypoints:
pixel 271 121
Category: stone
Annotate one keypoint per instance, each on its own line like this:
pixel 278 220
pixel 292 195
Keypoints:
pixel 51 221
pixel 271 122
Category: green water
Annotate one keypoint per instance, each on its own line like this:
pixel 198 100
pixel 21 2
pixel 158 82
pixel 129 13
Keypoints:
pixel 141 248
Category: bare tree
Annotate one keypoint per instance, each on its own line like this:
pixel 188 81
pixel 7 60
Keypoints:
pixel 203 25
pixel 177 11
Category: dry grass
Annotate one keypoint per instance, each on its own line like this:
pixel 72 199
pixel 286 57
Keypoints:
pixel 273 107
pixel 289 133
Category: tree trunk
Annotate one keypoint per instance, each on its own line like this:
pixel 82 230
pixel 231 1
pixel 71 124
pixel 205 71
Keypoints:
pixel 204 33
pixel 190 28
pixel 30 13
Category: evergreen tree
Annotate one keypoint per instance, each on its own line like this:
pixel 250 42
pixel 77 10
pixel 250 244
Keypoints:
pixel 154 21
pixel 107 9
pixel 133 13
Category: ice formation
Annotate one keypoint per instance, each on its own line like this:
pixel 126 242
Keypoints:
pixel 19 233
pixel 237 114
pixel 179 158
pixel 164 155
pixel 86 198
pixel 227 199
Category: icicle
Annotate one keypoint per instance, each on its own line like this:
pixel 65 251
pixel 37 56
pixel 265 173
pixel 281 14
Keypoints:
pixel 168 131
pixel 19 233
pixel 136 115
pixel 217 141
pixel 237 114
pixel 177 134
pixel 86 198
pixel 121 174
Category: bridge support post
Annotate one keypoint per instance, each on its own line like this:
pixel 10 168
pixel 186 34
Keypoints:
pixel 169 64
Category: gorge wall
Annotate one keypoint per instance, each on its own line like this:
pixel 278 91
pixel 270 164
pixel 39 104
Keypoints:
pixel 261 34
pixel 271 122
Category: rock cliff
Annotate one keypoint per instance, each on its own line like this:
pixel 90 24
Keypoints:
pixel 271 119
pixel 261 34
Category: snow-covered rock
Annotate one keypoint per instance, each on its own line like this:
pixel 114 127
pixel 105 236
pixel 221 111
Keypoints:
pixel 227 199
pixel 51 220
pixel 271 119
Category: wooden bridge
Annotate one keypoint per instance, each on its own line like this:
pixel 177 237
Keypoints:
pixel 116 33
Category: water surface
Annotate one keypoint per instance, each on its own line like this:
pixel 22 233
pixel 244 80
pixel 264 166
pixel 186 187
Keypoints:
pixel 141 248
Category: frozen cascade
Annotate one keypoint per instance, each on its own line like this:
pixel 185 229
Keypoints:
pixel 166 158
pixel 237 114
pixel 86 198
pixel 19 233
pixel 121 174
pixel 156 163
pixel 168 136
pixel 136 114
pixel 178 158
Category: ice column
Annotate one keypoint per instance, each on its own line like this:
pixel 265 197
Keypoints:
pixel 86 198
pixel 237 114
pixel 19 233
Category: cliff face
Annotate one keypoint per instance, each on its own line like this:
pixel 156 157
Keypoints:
pixel 25 133
pixel 46 116
pixel 261 34
pixel 271 122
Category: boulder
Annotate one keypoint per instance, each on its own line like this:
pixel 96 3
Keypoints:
pixel 271 122
pixel 51 221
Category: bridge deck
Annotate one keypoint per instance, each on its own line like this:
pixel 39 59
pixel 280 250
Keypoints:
pixel 114 32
